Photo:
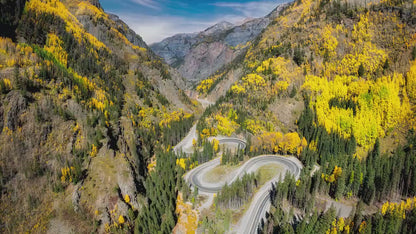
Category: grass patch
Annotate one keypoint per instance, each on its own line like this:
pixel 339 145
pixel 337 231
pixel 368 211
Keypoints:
pixel 267 172
pixel 218 173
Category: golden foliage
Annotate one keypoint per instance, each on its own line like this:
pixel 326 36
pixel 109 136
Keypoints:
pixel 253 81
pixel 255 126
pixel 5 84
pixel 182 162
pixel 127 198
pixel 398 209
pixel 225 125
pixel 411 81
pixel 208 132
pixel 175 116
pixel 146 115
pixel 54 45
pixel 206 84
pixel 57 8
pixel 361 51
pixel 215 144
pixel 187 217
pixel 67 174
pixel 336 173
pixel 121 219
pixel 86 8
pixel 12 54
pixel 379 106
pixel 152 165
pixel 93 151
pixel 338 226
pixel 99 101
pixel 276 142
pixel 237 89
pixel 271 77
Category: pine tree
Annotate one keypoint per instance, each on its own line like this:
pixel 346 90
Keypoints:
pixel 361 70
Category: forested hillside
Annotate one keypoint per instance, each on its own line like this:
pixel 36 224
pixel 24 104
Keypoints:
pixel 84 107
pixel 332 83
pixel 89 117
pixel 353 64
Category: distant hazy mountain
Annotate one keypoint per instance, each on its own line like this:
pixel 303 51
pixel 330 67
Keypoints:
pixel 198 55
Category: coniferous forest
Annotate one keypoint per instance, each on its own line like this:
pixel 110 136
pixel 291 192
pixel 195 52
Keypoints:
pixel 301 121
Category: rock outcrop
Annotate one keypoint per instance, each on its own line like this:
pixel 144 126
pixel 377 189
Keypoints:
pixel 199 55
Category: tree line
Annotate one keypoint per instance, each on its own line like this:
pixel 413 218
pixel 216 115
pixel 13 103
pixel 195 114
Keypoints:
pixel 235 195
pixel 376 179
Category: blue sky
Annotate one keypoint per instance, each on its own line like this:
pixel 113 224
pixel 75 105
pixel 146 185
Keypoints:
pixel 155 20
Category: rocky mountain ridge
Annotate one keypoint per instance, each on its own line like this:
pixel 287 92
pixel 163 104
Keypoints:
pixel 198 55
pixel 82 103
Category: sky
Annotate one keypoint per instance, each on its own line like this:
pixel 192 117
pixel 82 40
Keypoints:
pixel 155 20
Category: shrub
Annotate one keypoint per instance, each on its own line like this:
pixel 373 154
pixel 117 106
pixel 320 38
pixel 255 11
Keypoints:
pixel 5 86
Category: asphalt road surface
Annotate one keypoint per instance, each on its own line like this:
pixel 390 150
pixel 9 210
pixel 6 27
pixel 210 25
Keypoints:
pixel 260 203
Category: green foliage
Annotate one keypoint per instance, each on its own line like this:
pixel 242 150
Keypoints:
pixel 10 11
pixel 161 191
pixel 63 112
pixel 205 155
pixel 361 70
pixel 34 169
pixel 58 187
pixel 386 65
pixel 221 223
pixel 235 195
pixel 293 92
pixel 372 180
pixel 344 104
pixel 4 88
pixel 229 158
pixel 299 56
pixel 162 99
pixel 33 202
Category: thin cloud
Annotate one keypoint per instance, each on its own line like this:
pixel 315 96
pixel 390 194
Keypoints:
pixel 148 3
pixel 249 9
pixel 156 28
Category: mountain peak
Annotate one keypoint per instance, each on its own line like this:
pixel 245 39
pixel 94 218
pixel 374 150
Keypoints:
pixel 221 26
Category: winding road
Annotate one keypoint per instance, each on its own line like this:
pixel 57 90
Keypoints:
pixel 185 145
pixel 260 203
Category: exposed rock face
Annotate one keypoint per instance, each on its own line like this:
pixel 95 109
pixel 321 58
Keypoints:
pixel 17 104
pixel 205 59
pixel 174 49
pixel 95 3
pixel 241 34
pixel 199 55
pixel 58 155
pixel 217 28
pixel 1 117
pixel 128 32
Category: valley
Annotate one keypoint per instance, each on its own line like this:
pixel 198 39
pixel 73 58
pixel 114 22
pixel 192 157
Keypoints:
pixel 298 120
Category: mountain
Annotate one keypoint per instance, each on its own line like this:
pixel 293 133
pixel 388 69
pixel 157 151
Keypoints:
pixel 90 118
pixel 198 55
pixel 85 107
pixel 333 84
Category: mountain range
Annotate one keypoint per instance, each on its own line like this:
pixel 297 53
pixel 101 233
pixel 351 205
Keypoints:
pixel 199 55
pixel 102 133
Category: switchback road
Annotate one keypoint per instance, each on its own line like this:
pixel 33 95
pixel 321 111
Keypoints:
pixel 260 203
